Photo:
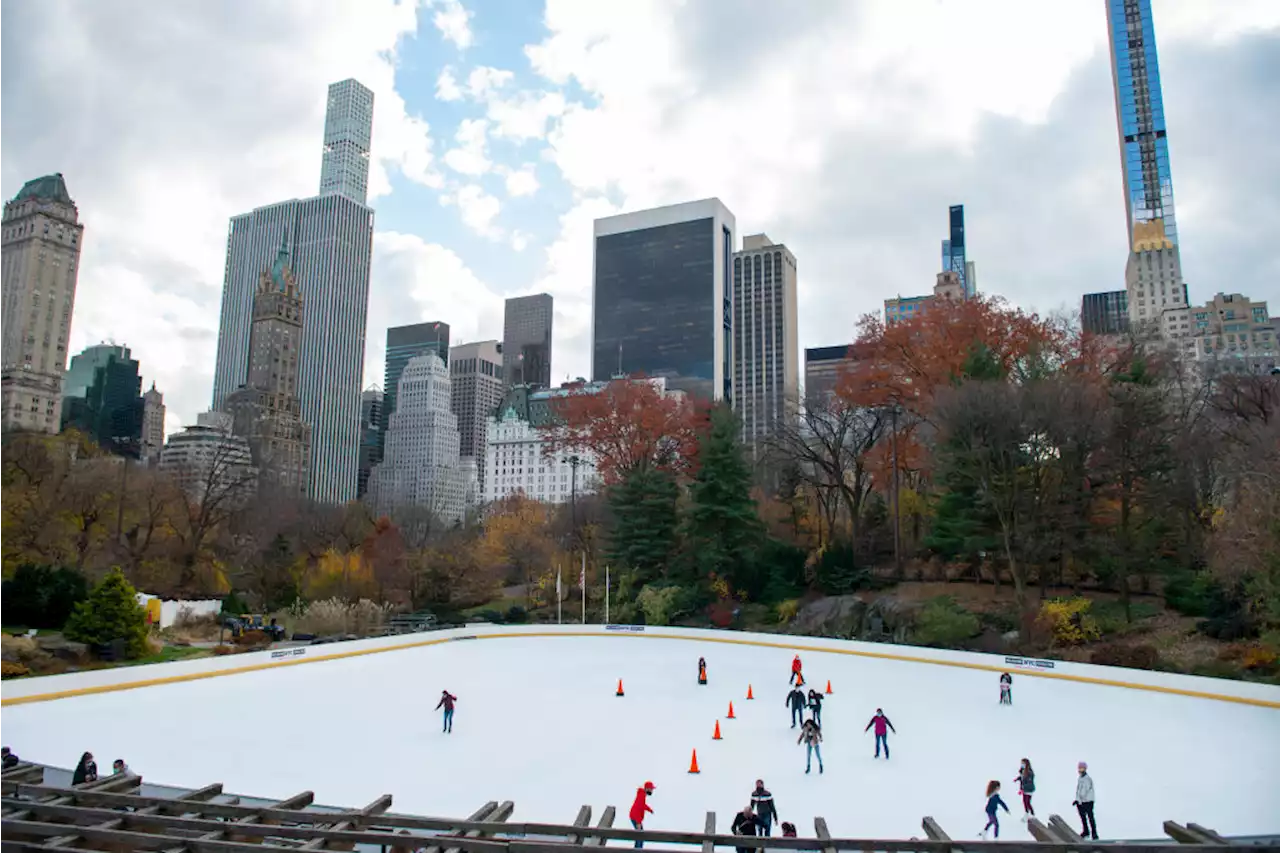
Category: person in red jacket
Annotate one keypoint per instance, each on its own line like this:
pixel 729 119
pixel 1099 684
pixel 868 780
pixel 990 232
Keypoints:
pixel 883 727
pixel 795 671
pixel 639 807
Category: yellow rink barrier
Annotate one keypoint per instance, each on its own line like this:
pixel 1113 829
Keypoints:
pixel 891 656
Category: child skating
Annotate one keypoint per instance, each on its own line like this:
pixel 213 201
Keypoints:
pixel 1006 689
pixel 446 701
pixel 883 727
pixel 639 807
pixel 993 802
pixel 811 737
pixel 1026 780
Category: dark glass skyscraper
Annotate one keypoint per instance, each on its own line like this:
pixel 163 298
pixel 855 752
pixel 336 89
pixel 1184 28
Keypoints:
pixel 953 251
pixel 1144 148
pixel 661 299
pixel 403 343
pixel 526 340
pixel 1105 313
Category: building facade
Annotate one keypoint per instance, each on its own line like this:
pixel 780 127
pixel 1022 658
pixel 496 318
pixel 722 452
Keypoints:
pixel 110 411
pixel 822 366
pixel 526 340
pixel 766 364
pixel 476 373
pixel 78 379
pixel 330 238
pixel 517 462
pixel 152 426
pixel 370 435
pixel 1105 313
pixel 1231 333
pixel 42 236
pixel 661 297
pixel 421 465
pixel 948 285
pixel 405 343
pixel 348 131
pixel 267 410
pixel 209 462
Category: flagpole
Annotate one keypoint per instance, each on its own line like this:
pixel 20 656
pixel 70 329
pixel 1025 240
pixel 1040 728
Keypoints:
pixel 606 595
pixel 583 578
pixel 559 600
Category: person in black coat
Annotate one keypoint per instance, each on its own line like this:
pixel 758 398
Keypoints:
pixel 815 706
pixel 795 700
pixel 10 760
pixel 746 823
pixel 86 770
pixel 765 809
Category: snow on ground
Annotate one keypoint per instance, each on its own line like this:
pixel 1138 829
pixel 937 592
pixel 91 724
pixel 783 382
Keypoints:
pixel 538 723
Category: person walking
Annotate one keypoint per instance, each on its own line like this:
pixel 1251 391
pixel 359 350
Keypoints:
pixel 639 807
pixel 993 802
pixel 1026 780
pixel 883 727
pixel 446 701
pixel 795 699
pixel 815 706
pixel 795 671
pixel 86 770
pixel 766 811
pixel 746 823
pixel 1084 803
pixel 811 737
pixel 1006 689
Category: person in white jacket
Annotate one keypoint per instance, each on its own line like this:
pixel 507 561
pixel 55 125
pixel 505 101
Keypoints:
pixel 1084 803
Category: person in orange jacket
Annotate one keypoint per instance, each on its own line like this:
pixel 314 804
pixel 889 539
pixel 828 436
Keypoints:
pixel 639 807
pixel 795 670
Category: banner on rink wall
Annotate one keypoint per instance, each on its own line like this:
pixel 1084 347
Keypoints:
pixel 281 654
pixel 632 628
pixel 1028 663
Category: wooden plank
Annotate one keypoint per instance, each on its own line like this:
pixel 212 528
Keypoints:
pixel 1063 830
pixel 206 793
pixel 582 820
pixel 24 771
pixel 302 800
pixel 479 815
pixel 378 806
pixel 710 829
pixel 1040 832
pixel 606 822
pixel 1210 837
pixel 820 831
pixel 933 831
pixel 499 815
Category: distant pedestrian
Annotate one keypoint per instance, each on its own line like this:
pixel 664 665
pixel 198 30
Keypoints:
pixel 86 770
pixel 795 670
pixel 118 767
pixel 8 758
pixel 883 727
pixel 1084 803
pixel 795 699
pixel 639 808
pixel 446 701
pixel 815 706
pixel 993 802
pixel 746 823
pixel 1026 780
pixel 1006 689
pixel 811 737
pixel 766 810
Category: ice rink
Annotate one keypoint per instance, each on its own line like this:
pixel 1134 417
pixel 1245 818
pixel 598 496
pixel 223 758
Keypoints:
pixel 538 723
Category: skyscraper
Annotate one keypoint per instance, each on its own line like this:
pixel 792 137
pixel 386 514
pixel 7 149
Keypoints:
pixel 766 365
pixel 526 340
pixel 330 238
pixel 78 379
pixel 661 297
pixel 370 435
pixel 822 366
pixel 110 409
pixel 348 126
pixel 41 251
pixel 152 425
pixel 476 373
pixel 954 258
pixel 403 344
pixel 267 410
pixel 1105 313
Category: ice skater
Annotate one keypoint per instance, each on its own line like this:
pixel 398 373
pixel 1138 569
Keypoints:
pixel 811 737
pixel 795 671
pixel 883 727
pixel 1026 780
pixel 993 802
pixel 1084 803
pixel 639 807
pixel 702 670
pixel 815 706
pixel 766 811
pixel 1006 689
pixel 795 700
pixel 446 701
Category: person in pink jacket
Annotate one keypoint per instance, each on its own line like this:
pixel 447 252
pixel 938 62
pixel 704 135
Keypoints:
pixel 883 727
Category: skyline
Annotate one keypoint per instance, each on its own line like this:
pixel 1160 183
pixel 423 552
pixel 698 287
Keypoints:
pixel 852 165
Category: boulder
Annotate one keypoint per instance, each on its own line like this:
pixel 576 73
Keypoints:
pixel 894 616
pixel 64 649
pixel 839 617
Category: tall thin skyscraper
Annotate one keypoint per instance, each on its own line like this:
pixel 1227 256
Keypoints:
pixel 152 425
pixel 661 297
pixel 403 344
pixel 526 340
pixel 42 239
pixel 954 257
pixel 766 364
pixel 370 435
pixel 476 373
pixel 348 126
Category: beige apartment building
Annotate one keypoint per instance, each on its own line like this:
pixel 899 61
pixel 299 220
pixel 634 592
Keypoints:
pixel 41 260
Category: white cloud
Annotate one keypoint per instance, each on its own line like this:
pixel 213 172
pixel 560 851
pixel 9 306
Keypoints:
pixel 522 181
pixel 470 156
pixel 519 241
pixel 477 208
pixel 447 88
pixel 525 115
pixel 454 23
pixel 484 80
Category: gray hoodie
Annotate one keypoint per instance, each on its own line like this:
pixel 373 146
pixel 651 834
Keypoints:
pixel 1084 789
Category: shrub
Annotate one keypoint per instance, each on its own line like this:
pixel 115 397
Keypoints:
pixel 661 604
pixel 517 615
pixel 1190 593
pixel 490 615
pixel 1133 657
pixel 1068 621
pixel 1254 657
pixel 787 610
pixel 942 622
pixel 42 597
pixel 233 604
pixel 9 669
pixel 111 613
pixel 335 616
pixel 835 571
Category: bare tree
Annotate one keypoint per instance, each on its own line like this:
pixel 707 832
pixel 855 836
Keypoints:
pixel 212 491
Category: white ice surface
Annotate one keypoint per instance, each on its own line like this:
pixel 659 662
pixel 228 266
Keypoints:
pixel 538 723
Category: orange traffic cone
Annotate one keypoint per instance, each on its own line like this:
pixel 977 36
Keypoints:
pixel 730 715
pixel 693 765
pixel 620 693
pixel 716 736
pixel 828 687
pixel 749 696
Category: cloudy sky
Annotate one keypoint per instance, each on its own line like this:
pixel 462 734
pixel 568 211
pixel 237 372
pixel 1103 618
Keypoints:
pixel 502 128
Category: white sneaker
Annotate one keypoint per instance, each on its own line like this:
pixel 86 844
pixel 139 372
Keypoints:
pixel 1025 818
pixel 983 835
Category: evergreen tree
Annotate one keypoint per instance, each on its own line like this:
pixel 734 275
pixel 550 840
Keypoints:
pixel 645 522
pixel 111 613
pixel 722 529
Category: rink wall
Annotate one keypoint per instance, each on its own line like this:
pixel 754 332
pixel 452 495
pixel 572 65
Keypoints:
pixel 50 688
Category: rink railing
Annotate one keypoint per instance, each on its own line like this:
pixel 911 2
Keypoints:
pixel 114 815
